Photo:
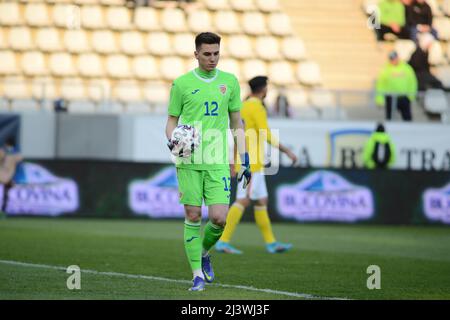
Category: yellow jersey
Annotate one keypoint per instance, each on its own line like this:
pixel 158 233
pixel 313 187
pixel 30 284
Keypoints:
pixel 257 132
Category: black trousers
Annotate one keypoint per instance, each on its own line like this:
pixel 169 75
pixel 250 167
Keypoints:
pixel 403 106
pixel 403 34
pixel 6 189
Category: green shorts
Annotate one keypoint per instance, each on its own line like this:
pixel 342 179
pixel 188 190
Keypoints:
pixel 213 186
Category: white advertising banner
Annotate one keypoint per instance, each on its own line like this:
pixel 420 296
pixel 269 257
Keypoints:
pixel 336 144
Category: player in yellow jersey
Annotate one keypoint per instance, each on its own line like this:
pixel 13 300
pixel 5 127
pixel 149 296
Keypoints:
pixel 254 115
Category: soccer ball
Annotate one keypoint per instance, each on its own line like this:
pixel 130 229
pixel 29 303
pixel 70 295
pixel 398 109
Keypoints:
pixel 185 140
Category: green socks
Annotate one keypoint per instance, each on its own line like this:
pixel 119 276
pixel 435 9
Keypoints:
pixel 212 233
pixel 193 244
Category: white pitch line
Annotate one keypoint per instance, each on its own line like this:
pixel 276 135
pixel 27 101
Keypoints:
pixel 140 276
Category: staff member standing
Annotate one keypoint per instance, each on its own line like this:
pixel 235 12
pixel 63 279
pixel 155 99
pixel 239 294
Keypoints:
pixel 379 151
pixel 396 87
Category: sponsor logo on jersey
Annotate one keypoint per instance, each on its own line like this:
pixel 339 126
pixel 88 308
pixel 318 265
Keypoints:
pixel 325 196
pixel 223 89
pixel 195 91
pixel 436 204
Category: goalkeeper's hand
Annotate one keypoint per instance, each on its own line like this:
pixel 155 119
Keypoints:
pixel 244 171
pixel 170 144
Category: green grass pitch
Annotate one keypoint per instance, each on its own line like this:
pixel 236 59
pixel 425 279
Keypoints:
pixel 327 261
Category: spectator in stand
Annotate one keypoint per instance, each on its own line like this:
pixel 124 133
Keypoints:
pixel 282 108
pixel 396 87
pixel 419 19
pixel 392 19
pixel 419 62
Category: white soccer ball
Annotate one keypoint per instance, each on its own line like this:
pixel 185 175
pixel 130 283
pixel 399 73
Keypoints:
pixel 185 139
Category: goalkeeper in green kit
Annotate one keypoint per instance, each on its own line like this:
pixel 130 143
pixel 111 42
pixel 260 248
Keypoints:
pixel 209 100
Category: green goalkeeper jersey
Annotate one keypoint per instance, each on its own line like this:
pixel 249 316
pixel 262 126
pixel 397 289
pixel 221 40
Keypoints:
pixel 204 100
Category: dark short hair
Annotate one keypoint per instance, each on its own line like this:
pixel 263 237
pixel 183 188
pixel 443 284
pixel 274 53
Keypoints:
pixel 207 38
pixel 258 83
pixel 380 127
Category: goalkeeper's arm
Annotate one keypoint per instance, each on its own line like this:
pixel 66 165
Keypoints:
pixel 172 123
pixel 239 140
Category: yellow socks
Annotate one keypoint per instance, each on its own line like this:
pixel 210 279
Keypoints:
pixel 233 218
pixel 263 222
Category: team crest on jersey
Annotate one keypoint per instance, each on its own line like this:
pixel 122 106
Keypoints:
pixel 223 88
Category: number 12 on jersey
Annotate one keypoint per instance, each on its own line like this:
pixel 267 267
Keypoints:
pixel 214 106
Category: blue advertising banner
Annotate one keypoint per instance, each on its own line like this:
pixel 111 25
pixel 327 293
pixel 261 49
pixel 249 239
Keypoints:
pixel 148 190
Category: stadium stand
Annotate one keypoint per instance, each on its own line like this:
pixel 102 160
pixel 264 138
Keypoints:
pixel 103 46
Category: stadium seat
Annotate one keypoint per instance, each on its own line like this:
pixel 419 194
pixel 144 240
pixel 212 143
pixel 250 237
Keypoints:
pixel 217 5
pixel 145 68
pixel 36 15
pixel 127 91
pixel 92 17
pixel 242 5
pixel 72 89
pixel 436 101
pixel 131 43
pixel 16 88
pixel 268 6
pixel 76 41
pixel 184 44
pixel 19 38
pixel 253 68
pixel 199 20
pixel 104 42
pixel 112 2
pixel 240 47
pixel 448 51
pixel 253 23
pixel 404 48
pixel 267 48
pixel 99 89
pixel 44 88
pixel 118 18
pixel 158 43
pixel 300 106
pixel 446 7
pixel 369 6
pixel 436 54
pixel 146 19
pixel 280 73
pixel 435 8
pixel 10 14
pixel 48 40
pixel 293 48
pixel 61 65
pixel 279 24
pixel 90 65
pixel 118 66
pixel 308 73
pixel 442 26
pixel 8 65
pixel 321 98
pixel 326 102
pixel 66 16
pixel 173 20
pixel 231 66
pixel 226 22
pixel 443 74
pixel 171 68
pixel 33 64
pixel 157 95
pixel 2 40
